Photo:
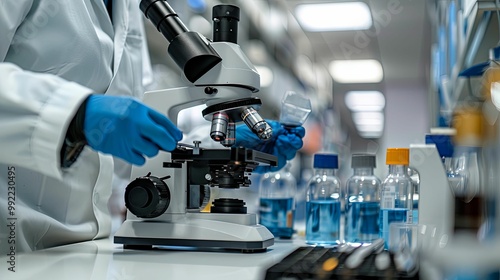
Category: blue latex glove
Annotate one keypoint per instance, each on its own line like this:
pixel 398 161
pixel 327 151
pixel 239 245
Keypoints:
pixel 284 143
pixel 128 129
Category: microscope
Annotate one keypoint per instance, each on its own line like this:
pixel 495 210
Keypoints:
pixel 166 196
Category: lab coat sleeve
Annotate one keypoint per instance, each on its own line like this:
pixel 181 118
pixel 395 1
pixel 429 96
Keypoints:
pixel 147 69
pixel 35 111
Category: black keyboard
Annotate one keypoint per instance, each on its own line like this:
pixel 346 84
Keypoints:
pixel 310 262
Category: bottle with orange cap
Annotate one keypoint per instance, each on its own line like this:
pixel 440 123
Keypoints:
pixel 490 91
pixel 396 197
pixel 467 181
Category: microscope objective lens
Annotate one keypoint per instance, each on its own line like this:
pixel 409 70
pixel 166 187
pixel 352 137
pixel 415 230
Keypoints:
pixel 256 123
pixel 220 122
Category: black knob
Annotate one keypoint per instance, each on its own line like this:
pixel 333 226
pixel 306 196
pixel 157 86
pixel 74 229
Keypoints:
pixel 147 197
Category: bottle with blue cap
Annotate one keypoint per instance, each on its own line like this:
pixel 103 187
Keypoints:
pixel 323 202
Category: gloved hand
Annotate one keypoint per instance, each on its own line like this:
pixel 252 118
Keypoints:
pixel 284 143
pixel 128 129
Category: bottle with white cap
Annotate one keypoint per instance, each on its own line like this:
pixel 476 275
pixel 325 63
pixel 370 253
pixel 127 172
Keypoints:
pixel 362 201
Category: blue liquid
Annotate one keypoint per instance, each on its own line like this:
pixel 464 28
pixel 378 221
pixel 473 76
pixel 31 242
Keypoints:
pixel 388 216
pixel 362 220
pixel 415 210
pixel 276 214
pixel 323 222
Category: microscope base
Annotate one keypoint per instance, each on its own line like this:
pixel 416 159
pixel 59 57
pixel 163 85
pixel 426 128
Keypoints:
pixel 195 232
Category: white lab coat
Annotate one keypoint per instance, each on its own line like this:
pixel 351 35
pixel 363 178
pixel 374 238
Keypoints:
pixel 53 54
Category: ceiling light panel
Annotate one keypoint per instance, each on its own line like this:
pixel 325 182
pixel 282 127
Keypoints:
pixel 358 101
pixel 334 16
pixel 369 124
pixel 356 71
pixel 368 118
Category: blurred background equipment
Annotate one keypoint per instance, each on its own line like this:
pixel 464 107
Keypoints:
pixel 379 74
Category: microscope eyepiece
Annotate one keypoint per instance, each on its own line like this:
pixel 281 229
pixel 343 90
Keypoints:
pixel 192 53
pixel 163 17
pixel 256 123
pixel 225 27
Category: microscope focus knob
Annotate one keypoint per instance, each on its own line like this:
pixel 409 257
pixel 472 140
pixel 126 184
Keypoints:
pixel 147 197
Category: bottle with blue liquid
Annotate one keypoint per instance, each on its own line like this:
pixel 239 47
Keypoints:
pixel 415 180
pixel 277 202
pixel 396 196
pixel 362 201
pixel 323 202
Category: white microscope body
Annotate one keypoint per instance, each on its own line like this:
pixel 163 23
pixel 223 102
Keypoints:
pixel 165 200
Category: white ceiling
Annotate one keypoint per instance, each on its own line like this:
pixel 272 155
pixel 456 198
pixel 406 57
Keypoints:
pixel 400 39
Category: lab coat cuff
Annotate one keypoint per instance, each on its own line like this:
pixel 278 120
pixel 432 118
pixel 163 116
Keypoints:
pixel 50 132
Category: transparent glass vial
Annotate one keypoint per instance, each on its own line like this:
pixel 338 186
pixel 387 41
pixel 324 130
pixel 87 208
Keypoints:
pixel 396 192
pixel 277 202
pixel 362 201
pixel 323 202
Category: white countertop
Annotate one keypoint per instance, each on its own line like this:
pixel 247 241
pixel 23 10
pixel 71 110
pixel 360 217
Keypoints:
pixel 102 259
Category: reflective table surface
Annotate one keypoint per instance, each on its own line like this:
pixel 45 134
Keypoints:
pixel 102 259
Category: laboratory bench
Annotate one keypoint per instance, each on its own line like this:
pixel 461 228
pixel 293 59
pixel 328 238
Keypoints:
pixel 102 259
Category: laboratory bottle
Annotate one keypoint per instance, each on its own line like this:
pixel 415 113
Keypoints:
pixel 362 201
pixel 415 181
pixel 477 171
pixel 396 194
pixel 323 199
pixel 468 182
pixel 277 202
pixel 490 88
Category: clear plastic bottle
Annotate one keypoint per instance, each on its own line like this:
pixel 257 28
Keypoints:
pixel 277 202
pixel 490 82
pixel 362 201
pixel 396 199
pixel 323 202
pixel 468 182
pixel 415 180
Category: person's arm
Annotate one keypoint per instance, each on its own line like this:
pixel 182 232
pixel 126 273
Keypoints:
pixel 35 109
pixel 35 112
